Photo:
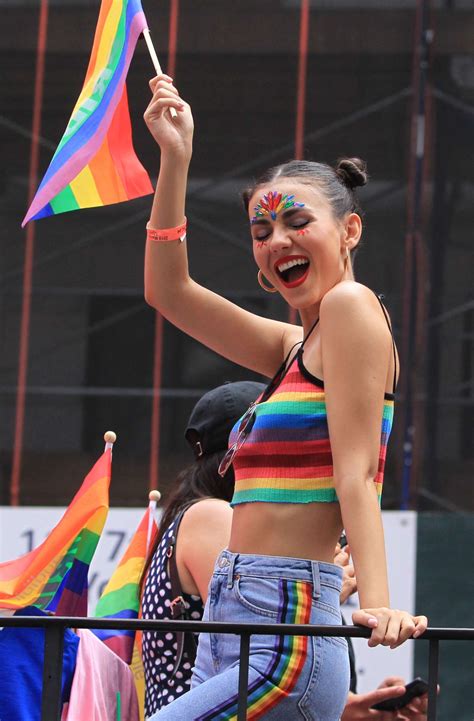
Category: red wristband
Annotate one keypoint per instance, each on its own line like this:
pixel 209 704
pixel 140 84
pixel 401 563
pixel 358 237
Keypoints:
pixel 167 234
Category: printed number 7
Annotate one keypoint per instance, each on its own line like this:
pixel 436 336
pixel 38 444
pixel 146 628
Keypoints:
pixel 116 548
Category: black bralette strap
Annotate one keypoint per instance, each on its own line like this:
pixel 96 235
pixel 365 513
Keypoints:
pixel 387 318
pixel 283 369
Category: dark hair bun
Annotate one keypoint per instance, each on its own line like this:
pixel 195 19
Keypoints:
pixel 352 172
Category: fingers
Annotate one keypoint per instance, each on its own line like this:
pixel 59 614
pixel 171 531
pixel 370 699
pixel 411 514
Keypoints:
pixel 382 694
pixel 417 706
pixel 392 681
pixel 343 554
pixel 379 633
pixel 165 97
pixel 374 697
pixel 349 584
pixel 421 624
pixel 359 705
pixel 159 105
pixel 405 630
pixel 342 558
pixel 164 88
pixel 154 81
pixel 364 617
pixel 410 627
pixel 390 626
pixel 368 618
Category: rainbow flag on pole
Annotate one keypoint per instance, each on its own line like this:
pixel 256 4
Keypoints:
pixel 95 163
pixel 121 596
pixel 53 576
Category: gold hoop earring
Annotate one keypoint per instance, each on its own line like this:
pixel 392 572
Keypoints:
pixel 262 284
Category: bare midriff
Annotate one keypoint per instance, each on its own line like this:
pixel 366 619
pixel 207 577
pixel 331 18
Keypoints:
pixel 309 530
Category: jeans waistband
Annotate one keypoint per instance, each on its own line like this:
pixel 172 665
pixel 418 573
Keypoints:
pixel 319 573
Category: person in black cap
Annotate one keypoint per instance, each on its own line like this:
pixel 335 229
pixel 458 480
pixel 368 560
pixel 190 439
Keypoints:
pixel 180 564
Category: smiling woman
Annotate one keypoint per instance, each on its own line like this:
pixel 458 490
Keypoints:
pixel 309 455
pixel 336 185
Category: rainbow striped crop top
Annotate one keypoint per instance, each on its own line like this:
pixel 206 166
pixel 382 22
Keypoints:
pixel 287 457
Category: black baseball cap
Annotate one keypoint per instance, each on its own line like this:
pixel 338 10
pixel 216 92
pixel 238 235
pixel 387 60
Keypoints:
pixel 215 414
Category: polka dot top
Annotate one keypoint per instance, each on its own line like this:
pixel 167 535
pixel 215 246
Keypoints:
pixel 159 649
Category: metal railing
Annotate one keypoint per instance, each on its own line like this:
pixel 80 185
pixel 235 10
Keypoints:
pixel 54 640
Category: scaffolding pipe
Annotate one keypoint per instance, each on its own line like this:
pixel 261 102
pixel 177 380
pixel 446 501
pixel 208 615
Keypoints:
pixel 414 304
pixel 28 261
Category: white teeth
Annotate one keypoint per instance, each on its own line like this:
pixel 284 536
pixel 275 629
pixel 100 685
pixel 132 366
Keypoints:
pixel 292 263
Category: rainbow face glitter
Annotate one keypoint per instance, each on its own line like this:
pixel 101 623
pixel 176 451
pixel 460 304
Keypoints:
pixel 273 203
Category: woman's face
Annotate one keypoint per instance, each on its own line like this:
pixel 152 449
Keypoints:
pixel 298 244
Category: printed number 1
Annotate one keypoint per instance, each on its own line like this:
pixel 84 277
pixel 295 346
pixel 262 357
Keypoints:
pixel 30 534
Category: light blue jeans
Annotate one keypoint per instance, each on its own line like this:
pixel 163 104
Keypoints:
pixel 290 678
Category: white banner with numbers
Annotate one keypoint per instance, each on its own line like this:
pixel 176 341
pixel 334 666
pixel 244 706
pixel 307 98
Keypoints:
pixel 21 529
pixel 24 528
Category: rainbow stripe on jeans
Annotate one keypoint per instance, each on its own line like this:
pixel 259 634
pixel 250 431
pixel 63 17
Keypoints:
pixel 288 658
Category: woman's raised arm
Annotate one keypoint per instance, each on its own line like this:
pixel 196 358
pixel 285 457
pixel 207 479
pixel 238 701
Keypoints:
pixel 245 338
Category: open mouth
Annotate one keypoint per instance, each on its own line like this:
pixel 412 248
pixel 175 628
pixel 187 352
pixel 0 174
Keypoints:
pixel 292 270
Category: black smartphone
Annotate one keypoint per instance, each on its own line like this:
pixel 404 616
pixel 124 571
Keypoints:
pixel 343 540
pixel 415 688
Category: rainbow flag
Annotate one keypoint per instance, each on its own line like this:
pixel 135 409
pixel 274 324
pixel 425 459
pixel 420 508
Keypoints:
pixel 121 596
pixel 53 576
pixel 95 163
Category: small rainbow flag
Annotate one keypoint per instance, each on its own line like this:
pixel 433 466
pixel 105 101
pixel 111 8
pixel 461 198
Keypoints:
pixel 53 576
pixel 95 163
pixel 121 596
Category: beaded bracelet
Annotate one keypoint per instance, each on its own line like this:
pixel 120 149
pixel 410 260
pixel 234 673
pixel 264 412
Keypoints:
pixel 167 234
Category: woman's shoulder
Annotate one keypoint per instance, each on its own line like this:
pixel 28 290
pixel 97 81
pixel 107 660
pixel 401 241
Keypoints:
pixel 349 300
pixel 352 308
pixel 206 512
pixel 348 292
pixel 204 532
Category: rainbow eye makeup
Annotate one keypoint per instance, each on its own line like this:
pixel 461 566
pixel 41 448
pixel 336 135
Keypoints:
pixel 273 203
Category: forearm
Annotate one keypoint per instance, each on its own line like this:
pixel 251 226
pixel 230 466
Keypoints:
pixel 363 525
pixel 168 208
pixel 166 263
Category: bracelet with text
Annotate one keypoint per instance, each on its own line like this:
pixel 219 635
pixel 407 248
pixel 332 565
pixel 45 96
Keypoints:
pixel 167 234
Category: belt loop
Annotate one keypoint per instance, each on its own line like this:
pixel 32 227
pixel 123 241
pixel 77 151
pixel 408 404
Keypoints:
pixel 230 570
pixel 316 580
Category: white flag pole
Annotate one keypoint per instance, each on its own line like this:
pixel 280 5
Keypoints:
pixel 155 61
pixel 154 497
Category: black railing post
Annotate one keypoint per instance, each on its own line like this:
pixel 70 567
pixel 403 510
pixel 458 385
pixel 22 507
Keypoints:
pixel 243 676
pixel 51 703
pixel 433 666
pixel 54 641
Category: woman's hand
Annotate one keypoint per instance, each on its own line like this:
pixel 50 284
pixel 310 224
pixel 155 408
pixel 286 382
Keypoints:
pixel 349 582
pixel 359 705
pixel 414 711
pixel 390 627
pixel 174 135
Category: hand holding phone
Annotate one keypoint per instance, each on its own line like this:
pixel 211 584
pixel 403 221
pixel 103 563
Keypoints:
pixel 415 688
